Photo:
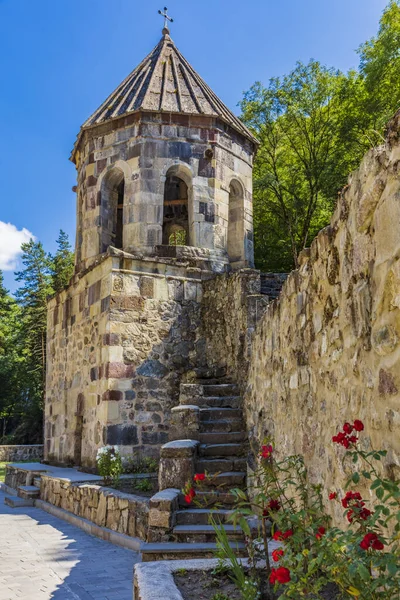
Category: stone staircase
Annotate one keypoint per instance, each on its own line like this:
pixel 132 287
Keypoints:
pixel 271 284
pixel 221 454
pixel 25 495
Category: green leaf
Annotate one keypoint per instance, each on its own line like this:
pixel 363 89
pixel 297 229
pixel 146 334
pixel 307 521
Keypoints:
pixel 380 492
pixel 355 478
pixel 363 571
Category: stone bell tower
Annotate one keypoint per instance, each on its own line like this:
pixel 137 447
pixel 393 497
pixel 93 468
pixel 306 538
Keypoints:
pixel 164 200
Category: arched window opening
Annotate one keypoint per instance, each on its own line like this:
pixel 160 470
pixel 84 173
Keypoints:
pixel 120 214
pixel 112 210
pixel 175 219
pixel 235 243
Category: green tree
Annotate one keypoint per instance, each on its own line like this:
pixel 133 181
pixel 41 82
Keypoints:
pixel 62 266
pixel 32 298
pixel 11 359
pixel 298 162
pixel 314 126
pixel 380 69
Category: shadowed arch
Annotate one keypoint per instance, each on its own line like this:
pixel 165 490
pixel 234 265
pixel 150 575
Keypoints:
pixel 112 193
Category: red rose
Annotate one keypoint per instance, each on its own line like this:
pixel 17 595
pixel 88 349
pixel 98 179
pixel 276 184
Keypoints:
pixel 320 533
pixel 199 477
pixel 347 428
pixel 192 493
pixel 278 536
pixel 377 545
pixel 332 496
pixel 364 514
pixel 266 451
pixel 371 540
pixel 282 575
pixel 188 498
pixel 358 425
pixel 277 555
pixel 287 534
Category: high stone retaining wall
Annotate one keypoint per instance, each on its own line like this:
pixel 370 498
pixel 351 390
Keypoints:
pixel 328 351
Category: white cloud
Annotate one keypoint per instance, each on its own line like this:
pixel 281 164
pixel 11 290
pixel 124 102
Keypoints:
pixel 11 239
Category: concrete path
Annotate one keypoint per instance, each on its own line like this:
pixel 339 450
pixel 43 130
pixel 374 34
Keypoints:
pixel 42 558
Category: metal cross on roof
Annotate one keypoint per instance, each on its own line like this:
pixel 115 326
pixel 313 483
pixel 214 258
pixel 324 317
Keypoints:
pixel 166 17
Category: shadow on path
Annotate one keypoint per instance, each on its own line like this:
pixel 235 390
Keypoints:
pixel 43 558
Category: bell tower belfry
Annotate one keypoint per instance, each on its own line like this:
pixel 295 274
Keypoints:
pixel 164 202
pixel 163 155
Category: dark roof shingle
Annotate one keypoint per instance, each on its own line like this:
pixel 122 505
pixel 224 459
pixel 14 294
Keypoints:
pixel 165 81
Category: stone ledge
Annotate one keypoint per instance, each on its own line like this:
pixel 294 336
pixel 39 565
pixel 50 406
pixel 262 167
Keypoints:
pixel 155 580
pixel 118 539
pixel 179 449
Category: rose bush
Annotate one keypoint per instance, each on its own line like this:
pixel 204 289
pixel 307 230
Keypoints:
pixel 362 558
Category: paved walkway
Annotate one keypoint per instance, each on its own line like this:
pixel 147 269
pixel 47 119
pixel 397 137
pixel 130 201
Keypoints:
pixel 43 558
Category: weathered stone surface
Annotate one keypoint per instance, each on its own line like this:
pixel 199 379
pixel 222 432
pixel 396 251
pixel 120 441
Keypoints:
pixel 125 513
pixel 328 351
pixel 21 453
pixel 185 422
pixel 177 463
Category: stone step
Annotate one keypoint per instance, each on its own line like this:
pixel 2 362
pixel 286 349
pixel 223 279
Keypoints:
pixel 177 551
pixel 8 490
pixel 36 482
pixel 221 425
pixel 226 479
pixel 214 414
pixel 214 401
pixel 210 372
pixel 221 449
pixel 192 391
pixel 28 492
pixel 227 437
pixel 201 516
pixel 213 380
pixel 218 465
pixel 218 499
pixel 16 502
pixel 204 533
pixel 223 389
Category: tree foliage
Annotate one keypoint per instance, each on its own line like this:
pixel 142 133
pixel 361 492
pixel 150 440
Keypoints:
pixel 23 323
pixel 314 125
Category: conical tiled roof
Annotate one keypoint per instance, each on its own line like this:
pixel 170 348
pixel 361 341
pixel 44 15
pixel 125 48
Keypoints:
pixel 165 81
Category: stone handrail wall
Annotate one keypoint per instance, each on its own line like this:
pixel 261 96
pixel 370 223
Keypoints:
pixel 328 350
pixel 231 306
pixel 21 453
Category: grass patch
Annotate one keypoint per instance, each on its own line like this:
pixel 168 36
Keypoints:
pixel 2 470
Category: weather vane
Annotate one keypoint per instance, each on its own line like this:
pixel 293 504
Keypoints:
pixel 166 17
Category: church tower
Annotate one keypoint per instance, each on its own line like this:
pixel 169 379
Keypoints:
pixel 164 201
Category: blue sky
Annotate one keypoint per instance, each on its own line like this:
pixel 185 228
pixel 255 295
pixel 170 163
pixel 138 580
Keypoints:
pixel 61 58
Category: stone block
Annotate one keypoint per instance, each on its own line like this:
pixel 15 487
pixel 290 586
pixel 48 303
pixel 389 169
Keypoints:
pixel 177 462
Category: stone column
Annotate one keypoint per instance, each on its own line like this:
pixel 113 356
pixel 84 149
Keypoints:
pixel 177 463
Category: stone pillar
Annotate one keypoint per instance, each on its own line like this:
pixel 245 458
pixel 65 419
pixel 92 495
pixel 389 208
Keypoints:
pixel 185 422
pixel 177 463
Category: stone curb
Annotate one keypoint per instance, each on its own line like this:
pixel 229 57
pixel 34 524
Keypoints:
pixel 155 580
pixel 119 539
pixel 8 490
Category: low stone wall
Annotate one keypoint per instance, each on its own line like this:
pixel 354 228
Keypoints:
pixel 328 351
pixel 16 476
pixel 124 513
pixel 20 453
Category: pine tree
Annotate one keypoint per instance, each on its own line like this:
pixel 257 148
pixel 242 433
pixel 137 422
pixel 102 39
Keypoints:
pixel 62 267
pixel 32 297
pixel 11 360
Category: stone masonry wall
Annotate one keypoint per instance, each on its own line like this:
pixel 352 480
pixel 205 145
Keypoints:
pixel 231 307
pixel 119 339
pixel 328 351
pixel 124 513
pixel 18 453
